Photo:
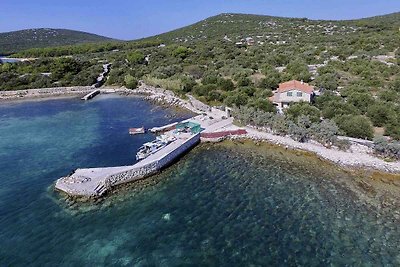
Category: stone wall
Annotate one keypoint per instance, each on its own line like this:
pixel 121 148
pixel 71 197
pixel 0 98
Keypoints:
pixel 44 92
pixel 283 97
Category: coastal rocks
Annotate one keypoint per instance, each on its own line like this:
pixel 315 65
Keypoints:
pixel 366 187
pixel 359 157
pixel 164 97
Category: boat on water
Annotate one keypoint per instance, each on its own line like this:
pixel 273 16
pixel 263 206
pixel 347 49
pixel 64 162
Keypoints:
pixel 152 147
pixel 133 131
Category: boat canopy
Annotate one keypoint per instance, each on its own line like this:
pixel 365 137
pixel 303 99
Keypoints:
pixel 192 126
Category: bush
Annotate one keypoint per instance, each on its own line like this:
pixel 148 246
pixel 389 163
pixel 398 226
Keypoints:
pixel 209 79
pixel 226 84
pixel 188 84
pixel 236 99
pixel 380 113
pixel 298 132
pixel 360 101
pixel 337 108
pixel 327 81
pixel 271 80
pixel 244 81
pixel 262 104
pixel 182 52
pixel 136 57
pixel 296 110
pixel 130 82
pixel 392 128
pixel 355 126
pixel 387 149
pixel 194 70
pixel 325 132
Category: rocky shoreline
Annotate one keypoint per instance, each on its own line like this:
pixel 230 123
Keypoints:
pixel 57 92
pixel 359 156
pixel 356 157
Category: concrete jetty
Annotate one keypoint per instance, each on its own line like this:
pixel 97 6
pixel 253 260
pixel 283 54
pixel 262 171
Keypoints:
pixel 91 95
pixel 94 182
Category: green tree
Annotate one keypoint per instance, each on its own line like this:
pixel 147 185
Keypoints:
pixel 62 66
pixel 296 110
pixel 297 70
pixel 327 81
pixel 181 52
pixel 360 100
pixel 226 84
pixel 236 99
pixel 272 78
pixel 136 57
pixel 262 104
pixel 356 126
pixel 380 113
pixel 130 82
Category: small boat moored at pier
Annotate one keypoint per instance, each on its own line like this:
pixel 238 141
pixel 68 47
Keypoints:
pixel 152 147
pixel 133 131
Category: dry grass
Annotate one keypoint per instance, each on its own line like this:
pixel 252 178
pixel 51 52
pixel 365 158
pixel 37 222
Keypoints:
pixel 169 84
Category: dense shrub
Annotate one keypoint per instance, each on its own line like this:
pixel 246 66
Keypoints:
pixel 325 132
pixel 236 99
pixel 380 113
pixel 298 109
pixel 130 82
pixel 356 126
pixel 135 57
pixel 387 149
pixel 226 84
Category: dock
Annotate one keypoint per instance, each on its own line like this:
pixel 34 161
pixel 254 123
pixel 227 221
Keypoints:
pixel 91 95
pixel 95 182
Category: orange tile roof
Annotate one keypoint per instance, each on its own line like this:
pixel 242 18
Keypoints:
pixel 291 85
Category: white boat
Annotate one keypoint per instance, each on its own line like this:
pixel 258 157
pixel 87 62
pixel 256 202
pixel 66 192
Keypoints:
pixel 152 147
pixel 133 131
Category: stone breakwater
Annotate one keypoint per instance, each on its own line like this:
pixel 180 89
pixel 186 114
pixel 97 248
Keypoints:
pixel 55 92
pixel 44 92
pixel 95 182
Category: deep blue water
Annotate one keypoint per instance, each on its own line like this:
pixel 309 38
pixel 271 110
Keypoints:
pixel 221 205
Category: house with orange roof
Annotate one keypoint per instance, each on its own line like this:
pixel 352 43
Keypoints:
pixel 292 92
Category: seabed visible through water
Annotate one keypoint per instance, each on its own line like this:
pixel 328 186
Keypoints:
pixel 227 204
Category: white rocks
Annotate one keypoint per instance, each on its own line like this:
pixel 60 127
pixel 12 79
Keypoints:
pixel 358 156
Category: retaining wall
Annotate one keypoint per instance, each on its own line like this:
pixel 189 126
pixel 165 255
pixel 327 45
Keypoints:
pixel 44 92
pixel 153 167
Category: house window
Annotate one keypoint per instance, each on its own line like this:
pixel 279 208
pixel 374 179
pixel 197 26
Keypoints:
pixel 299 94
pixel 289 94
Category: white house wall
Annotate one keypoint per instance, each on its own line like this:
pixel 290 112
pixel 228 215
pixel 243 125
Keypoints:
pixel 283 97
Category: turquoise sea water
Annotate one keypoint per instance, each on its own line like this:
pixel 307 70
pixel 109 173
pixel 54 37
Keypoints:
pixel 221 205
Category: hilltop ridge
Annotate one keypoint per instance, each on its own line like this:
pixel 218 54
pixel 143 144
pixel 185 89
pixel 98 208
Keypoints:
pixel 11 42
pixel 236 26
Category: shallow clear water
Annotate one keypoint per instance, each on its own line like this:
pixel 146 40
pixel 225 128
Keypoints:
pixel 221 205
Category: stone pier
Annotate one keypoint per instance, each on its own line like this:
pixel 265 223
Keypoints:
pixel 94 182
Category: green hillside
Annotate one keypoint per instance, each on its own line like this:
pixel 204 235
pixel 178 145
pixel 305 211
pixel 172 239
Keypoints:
pixel 355 64
pixel 238 26
pixel 11 42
